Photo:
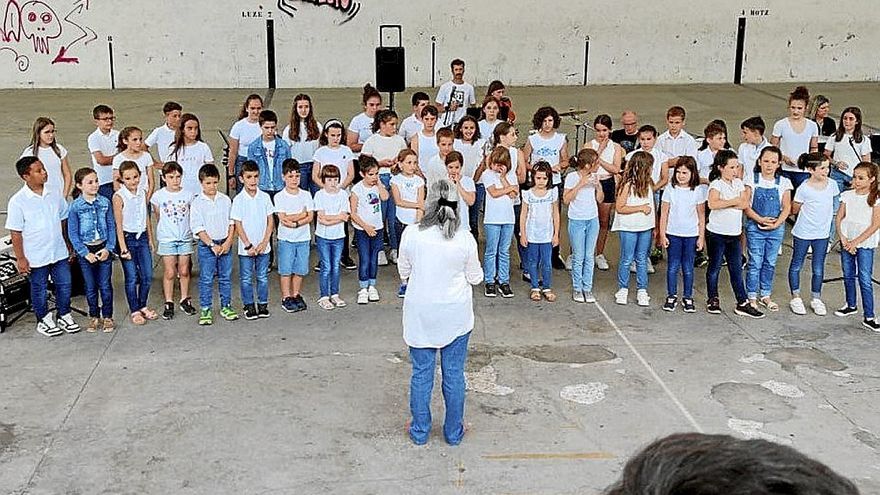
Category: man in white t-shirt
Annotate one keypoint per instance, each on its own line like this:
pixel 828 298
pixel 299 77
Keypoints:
pixel 162 137
pixel 454 97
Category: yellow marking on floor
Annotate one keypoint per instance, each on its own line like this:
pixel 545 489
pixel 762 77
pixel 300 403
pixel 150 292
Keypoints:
pixel 548 455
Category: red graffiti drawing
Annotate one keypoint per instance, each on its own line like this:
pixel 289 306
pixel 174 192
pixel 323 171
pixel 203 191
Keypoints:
pixel 348 7
pixel 36 21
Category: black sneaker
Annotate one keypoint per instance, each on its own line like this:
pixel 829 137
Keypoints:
pixel 701 260
pixel 846 311
pixel 526 277
pixel 713 306
pixel 688 305
pixel 300 303
pixel 746 309
pixel 670 303
pixel 490 291
pixel 263 310
pixel 250 312
pixel 187 307
pixel 505 291
pixel 288 305
pixel 348 264
pixel 558 263
pixel 871 324
pixel 169 311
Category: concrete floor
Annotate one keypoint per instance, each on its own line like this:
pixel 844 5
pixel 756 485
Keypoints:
pixel 561 394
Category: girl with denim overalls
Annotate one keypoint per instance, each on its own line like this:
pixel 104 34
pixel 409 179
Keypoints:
pixel 770 204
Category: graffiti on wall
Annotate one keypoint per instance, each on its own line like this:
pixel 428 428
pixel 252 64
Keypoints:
pixel 34 29
pixel 349 8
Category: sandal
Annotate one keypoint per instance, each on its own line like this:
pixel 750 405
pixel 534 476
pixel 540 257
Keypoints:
pixel 325 303
pixel 150 314
pixel 137 318
pixel 109 326
pixel 549 295
pixel 535 295
pixel 769 304
pixel 94 323
pixel 337 301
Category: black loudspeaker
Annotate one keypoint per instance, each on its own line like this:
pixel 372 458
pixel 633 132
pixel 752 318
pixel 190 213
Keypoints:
pixel 390 64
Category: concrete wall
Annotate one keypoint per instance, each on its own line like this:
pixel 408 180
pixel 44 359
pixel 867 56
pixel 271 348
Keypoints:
pixel 222 43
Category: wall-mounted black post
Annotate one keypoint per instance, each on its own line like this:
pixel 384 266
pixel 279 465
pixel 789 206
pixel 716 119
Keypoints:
pixel 433 60
pixel 586 57
pixel 270 51
pixel 740 49
pixel 112 69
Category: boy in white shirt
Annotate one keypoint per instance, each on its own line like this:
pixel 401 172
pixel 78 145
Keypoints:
pixel 210 223
pixel 676 141
pixel 295 210
pixel 753 142
pixel 366 217
pixel 413 124
pixel 37 222
pixel 102 147
pixel 171 206
pixel 252 213
pixel 454 97
pixel 162 137
pixel 436 167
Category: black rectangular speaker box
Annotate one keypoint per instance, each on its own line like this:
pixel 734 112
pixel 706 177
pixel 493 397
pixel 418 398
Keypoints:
pixel 390 69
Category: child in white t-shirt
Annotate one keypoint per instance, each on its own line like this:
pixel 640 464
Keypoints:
pixel 131 147
pixel 102 147
pixel 333 210
pixel 647 137
pixel 366 218
pixel 471 145
pixel 464 185
pixel 539 219
pixel 333 152
pixel 753 141
pixel 502 187
pixel 52 155
pixel 252 213
pixel 795 135
pixel 244 131
pixel 849 146
pixel 682 230
pixel 634 222
pixel 174 237
pixel 191 152
pixel 814 206
pixel 858 223
pixel 295 209
pixel 583 194
pixel 408 193
pixel 162 137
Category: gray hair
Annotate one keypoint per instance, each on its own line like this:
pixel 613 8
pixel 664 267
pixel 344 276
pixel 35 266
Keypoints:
pixel 445 217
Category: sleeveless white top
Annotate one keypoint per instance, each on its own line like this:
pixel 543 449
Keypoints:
pixel 607 156
pixel 636 222
pixel 547 150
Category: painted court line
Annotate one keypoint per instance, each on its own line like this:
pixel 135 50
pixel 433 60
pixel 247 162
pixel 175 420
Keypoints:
pixel 650 369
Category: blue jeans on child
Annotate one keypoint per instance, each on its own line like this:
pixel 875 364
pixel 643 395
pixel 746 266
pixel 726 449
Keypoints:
pixel 305 178
pixel 107 191
pixel 820 246
pixel 39 278
pixel 496 259
pixel 538 257
pixel 329 254
pixel 452 361
pixel 634 246
pixel 399 227
pixel 582 234
pixel 138 271
pixel 859 266
pixel 727 247
pixel 843 183
pixel 97 278
pixel 680 257
pixel 211 265
pixel 368 256
pixel 763 248
pixel 251 267
pixel 389 213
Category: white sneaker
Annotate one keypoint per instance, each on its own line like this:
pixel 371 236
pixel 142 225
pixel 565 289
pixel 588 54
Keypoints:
pixel 818 307
pixel 363 296
pixel 643 298
pixel 47 326
pixel 589 297
pixel 372 294
pixel 577 296
pixel 621 295
pixel 568 262
pixel 797 306
pixel 383 260
pixel 650 266
pixel 392 256
pixel 601 262
pixel 68 324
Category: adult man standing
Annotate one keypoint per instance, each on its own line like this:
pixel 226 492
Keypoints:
pixel 628 137
pixel 454 97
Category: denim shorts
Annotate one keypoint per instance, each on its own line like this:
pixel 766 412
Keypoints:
pixel 175 248
pixel 293 258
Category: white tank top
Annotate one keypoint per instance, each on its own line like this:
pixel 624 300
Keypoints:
pixel 607 156
pixel 134 211
pixel 547 150
pixel 427 149
pixel 635 222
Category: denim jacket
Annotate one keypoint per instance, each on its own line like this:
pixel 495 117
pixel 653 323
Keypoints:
pixel 87 222
pixel 257 153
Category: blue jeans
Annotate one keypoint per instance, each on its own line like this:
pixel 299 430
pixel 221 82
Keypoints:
pixel 763 248
pixel 329 254
pixel 211 265
pixel 538 256
pixel 634 246
pixel 39 278
pixel 97 278
pixel 474 210
pixel 727 247
pixel 520 250
pixel 820 246
pixel 368 256
pixel 389 213
pixel 496 259
pixel 861 266
pixel 843 183
pixel 452 360
pixel 305 178
pixel 138 271
pixel 796 178
pixel 582 234
pixel 106 190
pixel 680 256
pixel 239 161
pixel 251 267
